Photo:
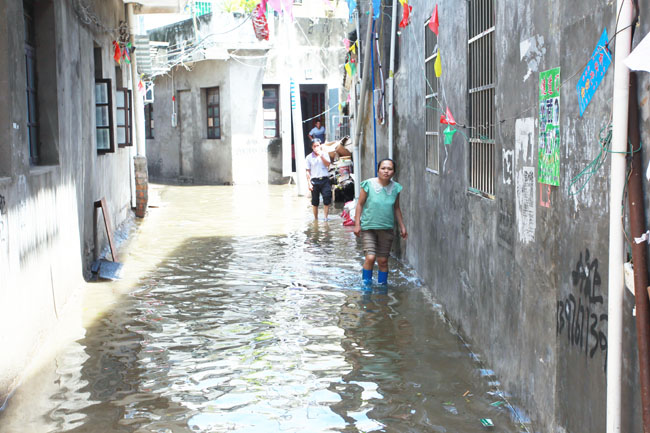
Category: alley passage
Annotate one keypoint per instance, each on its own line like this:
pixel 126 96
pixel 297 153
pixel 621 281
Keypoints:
pixel 209 332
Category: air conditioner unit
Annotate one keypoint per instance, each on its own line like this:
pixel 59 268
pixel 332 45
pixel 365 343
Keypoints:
pixel 148 92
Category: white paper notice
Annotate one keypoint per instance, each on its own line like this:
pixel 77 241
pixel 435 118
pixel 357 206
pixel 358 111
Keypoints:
pixel 639 58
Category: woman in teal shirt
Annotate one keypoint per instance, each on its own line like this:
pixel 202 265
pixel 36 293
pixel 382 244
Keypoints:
pixel 377 210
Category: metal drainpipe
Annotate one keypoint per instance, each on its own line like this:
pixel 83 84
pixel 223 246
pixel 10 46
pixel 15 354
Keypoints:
pixel 360 113
pixel 138 106
pixel 616 247
pixel 391 80
pixel 639 252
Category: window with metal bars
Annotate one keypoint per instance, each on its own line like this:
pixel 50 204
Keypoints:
pixel 104 116
pixel 213 118
pixel 481 84
pixel 271 108
pixel 30 80
pixel 124 113
pixel 431 102
pixel 148 121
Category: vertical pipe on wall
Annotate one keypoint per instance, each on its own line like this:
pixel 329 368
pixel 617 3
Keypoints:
pixel 639 253
pixel 360 112
pixel 616 247
pixel 390 81
pixel 138 106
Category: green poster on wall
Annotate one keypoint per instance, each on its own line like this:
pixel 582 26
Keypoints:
pixel 548 171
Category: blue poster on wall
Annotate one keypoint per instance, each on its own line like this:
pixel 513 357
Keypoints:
pixel 593 74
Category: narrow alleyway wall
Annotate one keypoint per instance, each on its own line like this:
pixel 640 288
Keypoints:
pixel 522 272
pixel 47 237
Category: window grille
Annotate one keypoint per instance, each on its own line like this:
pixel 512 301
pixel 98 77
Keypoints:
pixel 148 121
pixel 30 79
pixel 481 86
pixel 271 108
pixel 431 103
pixel 342 124
pixel 104 116
pixel 123 112
pixel 212 103
pixel 202 8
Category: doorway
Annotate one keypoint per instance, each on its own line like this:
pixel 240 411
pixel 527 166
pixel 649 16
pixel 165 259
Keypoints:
pixel 313 105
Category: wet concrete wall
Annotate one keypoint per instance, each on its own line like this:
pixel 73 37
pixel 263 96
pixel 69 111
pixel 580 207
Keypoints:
pixel 308 50
pixel 46 207
pixel 522 274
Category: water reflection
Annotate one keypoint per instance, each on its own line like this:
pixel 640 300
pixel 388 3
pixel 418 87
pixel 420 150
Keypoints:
pixel 265 333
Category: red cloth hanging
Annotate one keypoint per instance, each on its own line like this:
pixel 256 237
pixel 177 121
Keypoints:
pixel 260 25
pixel 406 11
pixel 117 55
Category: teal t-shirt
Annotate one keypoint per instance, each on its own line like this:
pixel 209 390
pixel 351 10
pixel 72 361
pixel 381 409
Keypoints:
pixel 378 210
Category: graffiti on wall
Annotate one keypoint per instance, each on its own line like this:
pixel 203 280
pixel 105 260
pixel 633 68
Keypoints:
pixel 526 211
pixel 532 52
pixel 505 224
pixel 549 127
pixel 524 141
pixel 582 314
pixel 508 165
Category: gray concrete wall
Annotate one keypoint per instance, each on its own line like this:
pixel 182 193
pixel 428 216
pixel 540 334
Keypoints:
pixel 46 210
pixel 506 292
pixel 309 51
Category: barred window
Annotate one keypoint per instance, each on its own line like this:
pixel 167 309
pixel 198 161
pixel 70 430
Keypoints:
pixel 212 102
pixel 481 84
pixel 148 120
pixel 271 107
pixel 104 116
pixel 31 87
pixel 432 105
pixel 124 112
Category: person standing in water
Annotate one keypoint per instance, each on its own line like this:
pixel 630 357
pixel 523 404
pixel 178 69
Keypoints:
pixel 318 180
pixel 377 209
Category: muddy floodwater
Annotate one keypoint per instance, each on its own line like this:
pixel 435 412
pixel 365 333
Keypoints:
pixel 237 312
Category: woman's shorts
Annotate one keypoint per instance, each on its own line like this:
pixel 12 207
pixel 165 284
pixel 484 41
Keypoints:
pixel 321 186
pixel 377 242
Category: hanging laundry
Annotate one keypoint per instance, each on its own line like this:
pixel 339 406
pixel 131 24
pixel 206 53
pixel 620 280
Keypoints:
pixel 450 118
pixel 282 6
pixel 141 84
pixel 376 9
pixel 352 6
pixel 449 134
pixel 126 55
pixel 406 12
pixel 260 25
pixel 433 22
pixel 447 118
pixel 117 55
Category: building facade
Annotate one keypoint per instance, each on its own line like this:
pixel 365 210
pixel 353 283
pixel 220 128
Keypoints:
pixel 66 142
pixel 508 225
pixel 222 112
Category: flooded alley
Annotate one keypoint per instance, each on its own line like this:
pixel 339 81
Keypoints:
pixel 237 312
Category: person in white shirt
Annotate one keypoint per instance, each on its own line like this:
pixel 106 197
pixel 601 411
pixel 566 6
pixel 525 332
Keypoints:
pixel 318 181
